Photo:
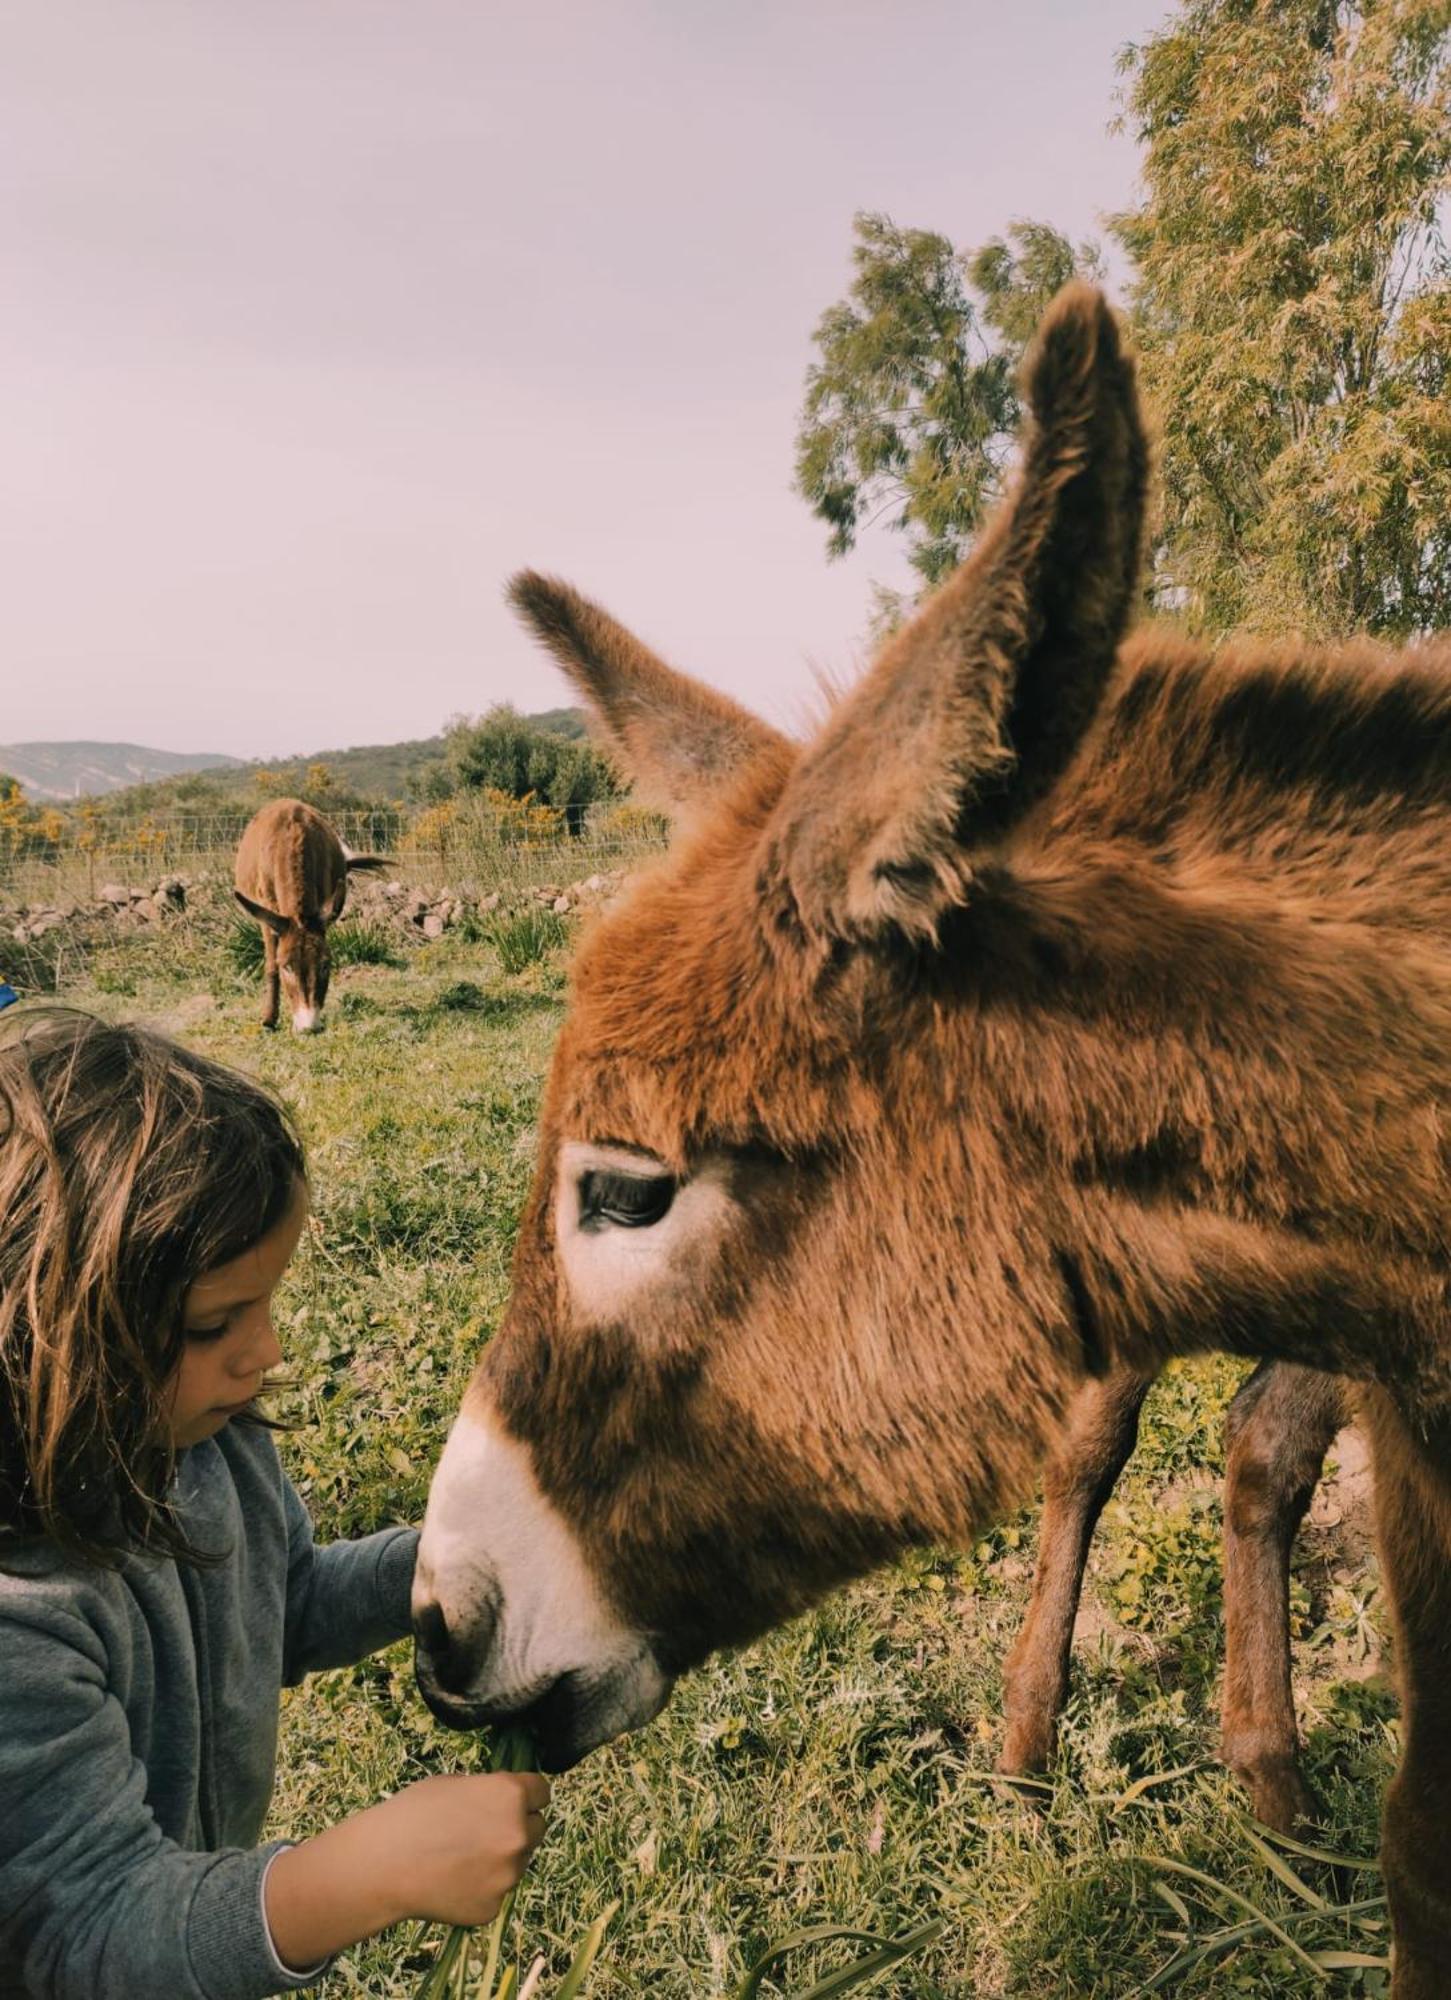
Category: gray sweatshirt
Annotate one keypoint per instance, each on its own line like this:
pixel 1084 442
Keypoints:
pixel 138 1735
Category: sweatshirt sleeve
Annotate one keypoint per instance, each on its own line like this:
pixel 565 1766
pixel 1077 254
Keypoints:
pixel 95 1902
pixel 346 1599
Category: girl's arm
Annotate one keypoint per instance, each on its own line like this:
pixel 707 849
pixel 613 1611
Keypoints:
pixel 95 1902
pixel 345 1599
pixel 448 1848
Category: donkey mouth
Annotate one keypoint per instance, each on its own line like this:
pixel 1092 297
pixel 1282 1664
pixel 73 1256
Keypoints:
pixel 565 1717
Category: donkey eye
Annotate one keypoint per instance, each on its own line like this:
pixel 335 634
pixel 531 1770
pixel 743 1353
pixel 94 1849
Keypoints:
pixel 611 1199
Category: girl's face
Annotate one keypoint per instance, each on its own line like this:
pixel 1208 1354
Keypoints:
pixel 230 1343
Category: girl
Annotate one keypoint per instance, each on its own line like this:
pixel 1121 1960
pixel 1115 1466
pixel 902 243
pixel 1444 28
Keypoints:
pixel 158 1579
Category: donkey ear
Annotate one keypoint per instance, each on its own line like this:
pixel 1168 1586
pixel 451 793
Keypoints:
pixel 264 916
pixel 974 709
pixel 677 740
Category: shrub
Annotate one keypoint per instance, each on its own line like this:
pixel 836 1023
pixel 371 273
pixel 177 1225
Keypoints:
pixel 364 941
pixel 525 937
pixel 243 946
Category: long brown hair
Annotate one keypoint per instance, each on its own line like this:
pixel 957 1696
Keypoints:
pixel 128 1167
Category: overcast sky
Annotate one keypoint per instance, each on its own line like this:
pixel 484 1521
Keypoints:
pixel 317 320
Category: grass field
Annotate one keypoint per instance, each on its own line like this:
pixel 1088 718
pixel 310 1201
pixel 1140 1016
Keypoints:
pixel 840 1771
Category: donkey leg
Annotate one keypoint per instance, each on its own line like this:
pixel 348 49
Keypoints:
pixel 270 982
pixel 1413 1522
pixel 1102 1426
pixel 1279 1428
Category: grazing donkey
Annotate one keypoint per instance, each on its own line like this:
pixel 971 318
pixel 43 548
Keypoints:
pixel 1069 1002
pixel 292 876
pixel 1279 1428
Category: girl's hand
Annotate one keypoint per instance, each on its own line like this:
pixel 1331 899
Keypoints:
pixel 448 1848
pixel 457 1845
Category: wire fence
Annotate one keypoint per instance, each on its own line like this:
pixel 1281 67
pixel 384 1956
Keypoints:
pixel 473 843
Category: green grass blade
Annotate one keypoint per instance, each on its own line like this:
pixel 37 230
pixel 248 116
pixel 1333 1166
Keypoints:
pixel 439 1976
pixel 884 1953
pixel 1278 1866
pixel 585 1957
pixel 866 1970
pixel 1142 1785
pixel 1357 1861
pixel 1233 1896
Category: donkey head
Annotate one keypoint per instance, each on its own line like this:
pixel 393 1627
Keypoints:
pixel 784 1299
pixel 303 961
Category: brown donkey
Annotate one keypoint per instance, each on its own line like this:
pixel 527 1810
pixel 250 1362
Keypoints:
pixel 1068 1002
pixel 292 876
pixel 1278 1430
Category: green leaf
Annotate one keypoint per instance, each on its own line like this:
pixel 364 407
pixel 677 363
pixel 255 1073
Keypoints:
pixel 883 1954
pixel 585 1957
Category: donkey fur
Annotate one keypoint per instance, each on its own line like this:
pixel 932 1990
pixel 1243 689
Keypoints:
pixel 1072 1001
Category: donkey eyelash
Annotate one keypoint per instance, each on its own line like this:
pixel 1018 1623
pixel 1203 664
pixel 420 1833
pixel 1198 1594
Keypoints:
pixel 611 1199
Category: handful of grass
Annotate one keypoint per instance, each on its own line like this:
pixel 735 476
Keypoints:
pixel 448 1977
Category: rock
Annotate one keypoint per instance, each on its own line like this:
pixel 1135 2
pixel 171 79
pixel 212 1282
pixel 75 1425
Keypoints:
pixel 595 885
pixel 561 906
pixel 433 924
pixel 146 909
pixel 115 895
pixel 170 892
pixel 489 902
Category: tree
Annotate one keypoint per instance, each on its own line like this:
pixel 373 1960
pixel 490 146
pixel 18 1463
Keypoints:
pixel 911 409
pixel 1292 310
pixel 503 751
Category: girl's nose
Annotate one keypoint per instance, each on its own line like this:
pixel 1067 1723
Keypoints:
pixel 263 1351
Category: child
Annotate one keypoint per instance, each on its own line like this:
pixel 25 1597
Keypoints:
pixel 158 1579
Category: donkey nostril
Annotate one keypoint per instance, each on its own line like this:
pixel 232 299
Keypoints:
pixel 430 1627
pixel 449 1663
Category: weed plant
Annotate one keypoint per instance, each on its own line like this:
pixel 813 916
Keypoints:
pixel 526 937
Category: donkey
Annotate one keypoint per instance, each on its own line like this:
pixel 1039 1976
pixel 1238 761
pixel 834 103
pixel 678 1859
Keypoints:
pixel 1073 1000
pixel 1278 1430
pixel 292 876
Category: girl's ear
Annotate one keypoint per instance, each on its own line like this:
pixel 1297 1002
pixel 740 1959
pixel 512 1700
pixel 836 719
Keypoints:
pixel 972 711
pixel 677 740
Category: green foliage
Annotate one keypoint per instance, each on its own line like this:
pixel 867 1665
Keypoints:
pixel 364 941
pixel 1292 310
pixel 507 752
pixel 911 409
pixel 523 937
pixel 244 947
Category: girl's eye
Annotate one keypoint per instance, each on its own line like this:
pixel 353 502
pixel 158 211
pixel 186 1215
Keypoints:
pixel 206 1332
pixel 610 1199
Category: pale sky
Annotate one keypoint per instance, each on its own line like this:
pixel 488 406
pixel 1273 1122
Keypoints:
pixel 320 317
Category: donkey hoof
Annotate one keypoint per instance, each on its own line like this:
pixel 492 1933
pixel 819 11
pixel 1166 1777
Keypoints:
pixel 1280 1798
pixel 1026 1752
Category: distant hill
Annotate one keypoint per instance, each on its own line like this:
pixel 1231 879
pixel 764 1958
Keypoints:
pixel 84 770
pixel 132 778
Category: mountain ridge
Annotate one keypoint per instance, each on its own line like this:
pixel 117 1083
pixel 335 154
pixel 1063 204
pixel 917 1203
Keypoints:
pixel 85 768
pixel 52 772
